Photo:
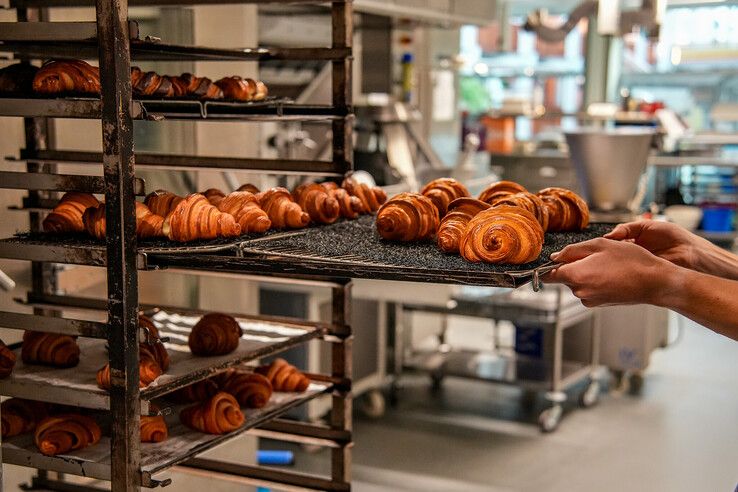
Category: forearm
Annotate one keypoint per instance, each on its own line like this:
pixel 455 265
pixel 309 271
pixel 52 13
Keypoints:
pixel 713 260
pixel 706 299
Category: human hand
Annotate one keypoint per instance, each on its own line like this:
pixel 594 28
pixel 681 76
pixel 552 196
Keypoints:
pixel 606 272
pixel 664 239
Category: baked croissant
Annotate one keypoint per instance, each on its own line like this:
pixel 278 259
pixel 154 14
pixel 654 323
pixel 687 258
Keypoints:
pixel 19 416
pixel 248 187
pixel 350 206
pixel 214 196
pixel 284 376
pixel 7 360
pixel 67 215
pixel 244 207
pixel 371 197
pixel 147 224
pixel 196 392
pixel 49 349
pixel 443 191
pixel 408 217
pixel 67 76
pixel 502 235
pixel 199 87
pixel 215 334
pixel 17 78
pixel 195 218
pixel 162 202
pixel 67 432
pixel 251 390
pixel 153 346
pixel 242 89
pixel 526 200
pixel 453 225
pixel 150 84
pixel 318 203
pixel 282 210
pixel 148 370
pixel 218 415
pixel 153 428
pixel 502 187
pixel 567 211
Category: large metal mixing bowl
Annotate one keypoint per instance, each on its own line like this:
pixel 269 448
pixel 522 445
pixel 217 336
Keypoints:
pixel 609 163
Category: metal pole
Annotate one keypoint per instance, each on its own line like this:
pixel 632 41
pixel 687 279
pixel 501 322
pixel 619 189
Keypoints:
pixel 341 367
pixel 118 167
pixel 343 29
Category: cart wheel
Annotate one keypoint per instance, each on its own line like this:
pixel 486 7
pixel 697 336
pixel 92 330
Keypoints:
pixel 373 404
pixel 636 381
pixel 591 395
pixel 550 418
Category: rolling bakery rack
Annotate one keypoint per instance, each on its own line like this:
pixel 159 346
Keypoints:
pixel 120 458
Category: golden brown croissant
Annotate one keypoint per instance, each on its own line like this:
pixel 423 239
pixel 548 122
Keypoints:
pixel 251 390
pixel 7 360
pixel 162 202
pixel 317 202
pixel 147 223
pixel 66 432
pixel 244 207
pixel 196 392
pixel 153 427
pixel 443 191
pixel 526 200
pixel 214 196
pixel 567 211
pixel 49 349
pixel 460 212
pixel 152 344
pixel 284 376
pixel 19 416
pixel 199 87
pixel 261 91
pixel 371 197
pixel 248 187
pixel 67 215
pixel 67 76
pixel 94 220
pixel 502 235
pixel 150 84
pixel 408 217
pixel 148 370
pixel 215 334
pixel 218 415
pixel 502 187
pixel 242 89
pixel 282 210
pixel 350 206
pixel 195 218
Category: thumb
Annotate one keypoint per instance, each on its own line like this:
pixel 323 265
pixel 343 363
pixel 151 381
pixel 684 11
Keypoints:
pixel 575 252
pixel 630 230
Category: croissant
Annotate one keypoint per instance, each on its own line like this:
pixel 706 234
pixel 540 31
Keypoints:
pixel 242 89
pixel 153 345
pixel 502 235
pixel 67 432
pixel 75 76
pixel 195 218
pixel 284 376
pixel 147 223
pixel 567 211
pixel 251 390
pixel 196 392
pixel 214 196
pixel 17 78
pixel 526 200
pixel 282 210
pixel 7 360
pixel 153 428
pixel 244 207
pixel 453 225
pixel 443 191
pixel 408 217
pixel 503 187
pixel 215 334
pixel 371 197
pixel 150 84
pixel 67 215
pixel 248 187
pixel 318 203
pixel 148 370
pixel 350 206
pixel 19 416
pixel 199 87
pixel 162 202
pixel 49 349
pixel 218 415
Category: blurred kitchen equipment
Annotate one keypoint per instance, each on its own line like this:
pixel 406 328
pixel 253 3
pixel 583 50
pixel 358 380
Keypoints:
pixel 684 215
pixel 6 283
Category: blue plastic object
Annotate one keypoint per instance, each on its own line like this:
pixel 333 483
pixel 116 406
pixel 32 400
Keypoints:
pixel 283 458
pixel 718 219
pixel 529 341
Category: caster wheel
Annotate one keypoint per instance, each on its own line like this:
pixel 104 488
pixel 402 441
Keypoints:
pixel 591 395
pixel 373 404
pixel 636 381
pixel 550 419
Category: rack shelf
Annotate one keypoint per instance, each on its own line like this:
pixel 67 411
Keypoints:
pixel 77 386
pixel 182 444
pixel 162 3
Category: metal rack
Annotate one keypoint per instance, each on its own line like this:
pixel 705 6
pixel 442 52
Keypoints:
pixel 120 458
